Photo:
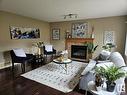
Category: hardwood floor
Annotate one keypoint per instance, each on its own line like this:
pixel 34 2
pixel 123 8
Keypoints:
pixel 17 85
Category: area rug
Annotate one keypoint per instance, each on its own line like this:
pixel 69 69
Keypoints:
pixel 54 75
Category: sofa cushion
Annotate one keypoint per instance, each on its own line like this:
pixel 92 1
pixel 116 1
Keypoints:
pixel 104 55
pixel 117 59
pixel 19 52
pixel 83 84
pixel 89 67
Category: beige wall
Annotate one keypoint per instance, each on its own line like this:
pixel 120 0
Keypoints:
pixel 116 24
pixel 9 19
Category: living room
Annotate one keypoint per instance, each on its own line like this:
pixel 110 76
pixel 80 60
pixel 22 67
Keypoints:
pixel 103 17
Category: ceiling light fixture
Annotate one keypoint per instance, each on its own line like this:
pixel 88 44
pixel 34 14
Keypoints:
pixel 70 16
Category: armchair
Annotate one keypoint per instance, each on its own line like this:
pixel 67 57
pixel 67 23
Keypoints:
pixel 49 50
pixel 19 56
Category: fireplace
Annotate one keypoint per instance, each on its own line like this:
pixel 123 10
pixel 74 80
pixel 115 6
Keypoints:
pixel 79 52
pixel 78 42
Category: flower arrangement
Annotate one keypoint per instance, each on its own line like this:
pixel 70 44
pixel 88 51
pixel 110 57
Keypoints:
pixel 63 56
pixel 38 44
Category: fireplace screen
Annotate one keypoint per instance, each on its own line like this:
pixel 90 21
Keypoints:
pixel 79 51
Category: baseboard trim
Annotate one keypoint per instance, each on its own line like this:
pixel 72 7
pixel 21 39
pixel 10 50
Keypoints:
pixel 2 65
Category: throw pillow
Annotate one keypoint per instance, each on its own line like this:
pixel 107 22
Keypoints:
pixel 19 52
pixel 104 55
pixel 89 67
pixel 48 48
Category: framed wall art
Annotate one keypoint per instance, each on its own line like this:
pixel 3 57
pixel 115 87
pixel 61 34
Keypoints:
pixel 79 30
pixel 24 33
pixel 56 34
pixel 108 37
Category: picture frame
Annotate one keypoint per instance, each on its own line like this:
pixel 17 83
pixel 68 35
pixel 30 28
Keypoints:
pixel 108 37
pixel 56 34
pixel 24 33
pixel 80 30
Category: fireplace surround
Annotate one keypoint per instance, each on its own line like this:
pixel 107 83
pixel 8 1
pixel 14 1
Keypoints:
pixel 79 51
pixel 69 42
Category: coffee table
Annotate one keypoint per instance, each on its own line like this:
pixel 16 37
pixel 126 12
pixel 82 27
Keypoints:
pixel 65 62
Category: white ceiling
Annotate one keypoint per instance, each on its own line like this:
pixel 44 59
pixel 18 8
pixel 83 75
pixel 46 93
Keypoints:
pixel 53 10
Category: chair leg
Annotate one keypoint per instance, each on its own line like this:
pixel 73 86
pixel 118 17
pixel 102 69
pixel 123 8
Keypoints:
pixel 46 58
pixel 12 66
pixel 52 57
pixel 23 67
pixel 86 92
pixel 13 70
pixel 55 55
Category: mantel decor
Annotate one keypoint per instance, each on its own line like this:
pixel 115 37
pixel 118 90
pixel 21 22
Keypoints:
pixel 24 33
pixel 79 30
pixel 56 34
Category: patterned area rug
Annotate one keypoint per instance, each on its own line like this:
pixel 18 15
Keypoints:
pixel 55 76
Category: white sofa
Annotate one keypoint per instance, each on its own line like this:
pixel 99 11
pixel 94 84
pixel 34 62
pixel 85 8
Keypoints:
pixel 88 75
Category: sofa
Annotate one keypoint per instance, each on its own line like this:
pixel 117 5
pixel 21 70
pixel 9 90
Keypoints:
pixel 88 74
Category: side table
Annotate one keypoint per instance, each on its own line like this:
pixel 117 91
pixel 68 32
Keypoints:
pixel 38 60
pixel 103 91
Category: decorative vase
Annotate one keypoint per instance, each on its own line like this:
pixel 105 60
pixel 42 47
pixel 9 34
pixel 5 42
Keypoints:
pixel 110 86
pixel 99 88
pixel 92 33
pixel 39 51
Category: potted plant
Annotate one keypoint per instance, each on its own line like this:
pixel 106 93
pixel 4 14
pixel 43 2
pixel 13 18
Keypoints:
pixel 111 74
pixel 91 48
pixel 109 46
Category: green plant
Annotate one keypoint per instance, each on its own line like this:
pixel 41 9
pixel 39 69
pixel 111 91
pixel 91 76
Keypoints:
pixel 39 44
pixel 111 73
pixel 90 47
pixel 108 46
